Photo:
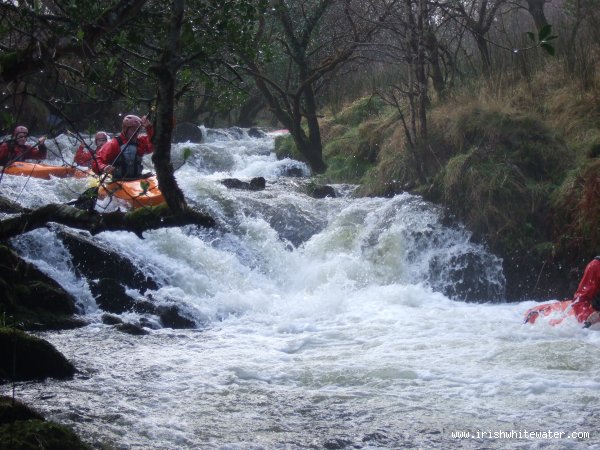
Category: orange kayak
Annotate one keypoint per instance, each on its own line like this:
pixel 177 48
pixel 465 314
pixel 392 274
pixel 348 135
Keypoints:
pixel 139 192
pixel 560 310
pixel 40 170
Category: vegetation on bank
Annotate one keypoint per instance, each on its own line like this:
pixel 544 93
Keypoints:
pixel 518 163
pixel 22 428
pixel 29 300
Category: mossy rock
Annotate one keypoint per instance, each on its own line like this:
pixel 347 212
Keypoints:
pixel 25 357
pixel 361 110
pixel 12 410
pixel 32 299
pixel 38 434
pixel 285 147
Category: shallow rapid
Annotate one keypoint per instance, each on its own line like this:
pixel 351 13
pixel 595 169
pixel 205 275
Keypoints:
pixel 332 323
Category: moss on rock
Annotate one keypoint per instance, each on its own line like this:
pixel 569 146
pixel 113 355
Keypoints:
pixel 30 298
pixel 37 434
pixel 12 410
pixel 26 357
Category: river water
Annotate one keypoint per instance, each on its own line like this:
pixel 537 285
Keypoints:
pixel 337 323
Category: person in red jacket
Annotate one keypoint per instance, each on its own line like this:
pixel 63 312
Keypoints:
pixel 122 155
pixel 84 156
pixel 17 148
pixel 586 300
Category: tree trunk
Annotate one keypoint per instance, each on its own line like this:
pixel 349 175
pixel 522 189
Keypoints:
pixel 136 221
pixel 536 9
pixel 249 110
pixel 484 52
pixel 314 132
pixel 166 71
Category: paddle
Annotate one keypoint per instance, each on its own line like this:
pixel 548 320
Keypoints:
pixel 88 199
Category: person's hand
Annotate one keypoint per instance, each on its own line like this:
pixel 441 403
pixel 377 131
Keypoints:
pixel 145 122
pixel 42 140
pixel 108 169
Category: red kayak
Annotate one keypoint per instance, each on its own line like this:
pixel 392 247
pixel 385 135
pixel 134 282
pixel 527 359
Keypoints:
pixel 560 310
pixel 138 193
pixel 41 170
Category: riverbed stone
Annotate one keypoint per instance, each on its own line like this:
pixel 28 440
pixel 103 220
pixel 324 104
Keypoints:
pixel 32 300
pixel 24 357
pixel 38 434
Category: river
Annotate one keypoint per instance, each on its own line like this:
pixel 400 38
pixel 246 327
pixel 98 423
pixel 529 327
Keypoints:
pixel 336 323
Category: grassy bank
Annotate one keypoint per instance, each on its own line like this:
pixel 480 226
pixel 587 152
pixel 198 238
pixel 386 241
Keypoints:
pixel 518 162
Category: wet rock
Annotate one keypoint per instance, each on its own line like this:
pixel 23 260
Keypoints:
pixel 32 299
pixel 292 171
pixel 255 184
pixel 236 132
pixel 320 191
pixel 109 319
pixel 464 277
pixel 24 357
pixel 170 317
pixel 12 410
pixel 111 296
pixel 293 224
pixel 34 434
pixel 131 328
pixel 94 260
pixel 47 296
pixel 187 132
pixel 256 133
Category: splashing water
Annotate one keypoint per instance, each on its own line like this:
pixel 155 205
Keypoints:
pixel 335 323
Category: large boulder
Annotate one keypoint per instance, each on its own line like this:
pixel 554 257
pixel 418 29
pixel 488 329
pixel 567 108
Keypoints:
pixel 94 261
pixel 320 191
pixel 25 357
pixel 187 132
pixel 255 184
pixel 23 428
pixel 32 299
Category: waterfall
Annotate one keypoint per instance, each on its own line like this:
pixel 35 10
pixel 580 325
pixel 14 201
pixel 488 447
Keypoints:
pixel 339 322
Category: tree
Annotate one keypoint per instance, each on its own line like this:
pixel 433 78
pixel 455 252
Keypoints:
pixel 298 44
pixel 57 35
pixel 477 16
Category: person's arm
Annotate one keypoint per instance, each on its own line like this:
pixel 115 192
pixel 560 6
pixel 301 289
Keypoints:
pixel 589 286
pixel 4 153
pixel 105 156
pixel 40 151
pixel 82 156
pixel 145 144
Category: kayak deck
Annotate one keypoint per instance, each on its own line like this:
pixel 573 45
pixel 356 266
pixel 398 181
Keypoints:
pixel 41 170
pixel 558 311
pixel 138 193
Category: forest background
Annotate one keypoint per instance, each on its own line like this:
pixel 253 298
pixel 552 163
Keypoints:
pixel 489 108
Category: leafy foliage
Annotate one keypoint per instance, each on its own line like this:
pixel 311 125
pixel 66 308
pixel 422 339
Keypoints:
pixel 88 71
pixel 543 39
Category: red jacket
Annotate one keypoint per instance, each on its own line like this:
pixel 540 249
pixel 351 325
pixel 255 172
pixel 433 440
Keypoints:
pixel 589 287
pixel 109 151
pixel 10 152
pixel 84 156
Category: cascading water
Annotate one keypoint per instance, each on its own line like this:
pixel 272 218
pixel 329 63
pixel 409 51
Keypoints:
pixel 333 323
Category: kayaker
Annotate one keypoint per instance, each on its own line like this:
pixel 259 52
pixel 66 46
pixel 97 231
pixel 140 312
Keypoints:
pixel 17 148
pixel 586 300
pixel 84 156
pixel 122 155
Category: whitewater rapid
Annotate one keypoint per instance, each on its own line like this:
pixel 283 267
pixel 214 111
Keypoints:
pixel 321 324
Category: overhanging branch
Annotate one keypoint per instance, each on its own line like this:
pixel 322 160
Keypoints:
pixel 136 221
